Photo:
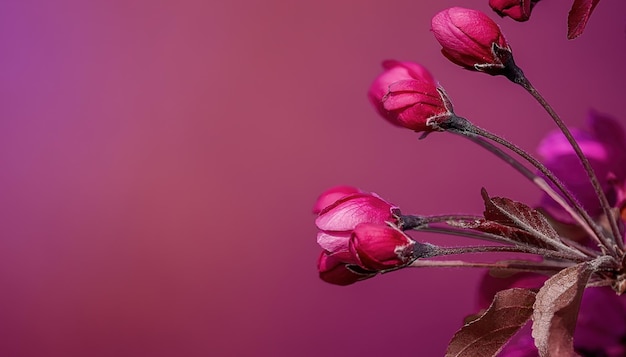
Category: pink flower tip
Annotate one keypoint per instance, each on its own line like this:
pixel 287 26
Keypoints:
pixel 332 195
pixel 346 213
pixel 518 10
pixel 471 39
pixel 407 95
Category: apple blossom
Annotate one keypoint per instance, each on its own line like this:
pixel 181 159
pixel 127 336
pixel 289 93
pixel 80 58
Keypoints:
pixel 566 263
pixel 406 94
pixel 337 221
pixel 471 39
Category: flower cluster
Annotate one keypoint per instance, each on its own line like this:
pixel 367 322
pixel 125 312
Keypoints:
pixel 359 236
pixel 563 301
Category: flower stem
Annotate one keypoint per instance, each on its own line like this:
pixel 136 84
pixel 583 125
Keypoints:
pixel 587 222
pixel 511 266
pixel 604 203
pixel 441 251
pixel 465 128
pixel 459 224
pixel 568 254
pixel 407 222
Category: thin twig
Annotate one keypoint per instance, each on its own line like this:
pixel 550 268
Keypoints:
pixel 469 131
pixel 520 247
pixel 604 203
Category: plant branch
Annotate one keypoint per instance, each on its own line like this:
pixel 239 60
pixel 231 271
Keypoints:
pixel 604 203
pixel 466 129
pixel 568 254
pixel 512 266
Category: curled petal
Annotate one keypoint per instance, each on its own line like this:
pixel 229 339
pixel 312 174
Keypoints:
pixel 332 195
pixel 334 242
pixel 345 214
pixel 333 270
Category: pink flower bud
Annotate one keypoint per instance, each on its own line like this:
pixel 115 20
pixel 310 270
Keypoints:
pixel 345 214
pixel 471 39
pixel 333 270
pixel 331 195
pixel 518 10
pixel 406 94
pixel 381 247
pixel 337 221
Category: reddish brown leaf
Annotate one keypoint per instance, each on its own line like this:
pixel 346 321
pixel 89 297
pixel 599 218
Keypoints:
pixel 578 17
pixel 491 284
pixel 573 231
pixel 486 335
pixel 556 310
pixel 516 214
pixel 512 233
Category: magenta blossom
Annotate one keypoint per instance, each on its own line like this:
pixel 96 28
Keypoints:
pixel 337 221
pixel 380 247
pixel 406 94
pixel 471 39
pixel 518 10
pixel 604 144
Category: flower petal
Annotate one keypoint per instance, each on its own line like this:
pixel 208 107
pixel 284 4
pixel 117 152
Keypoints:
pixel 333 242
pixel 334 271
pixel 578 17
pixel 380 247
pixel 332 195
pixel 345 214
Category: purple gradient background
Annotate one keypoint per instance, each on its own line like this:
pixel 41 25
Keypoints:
pixel 159 160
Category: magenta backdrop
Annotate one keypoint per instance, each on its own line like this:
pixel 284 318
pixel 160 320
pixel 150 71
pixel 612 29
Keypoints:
pixel 159 160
